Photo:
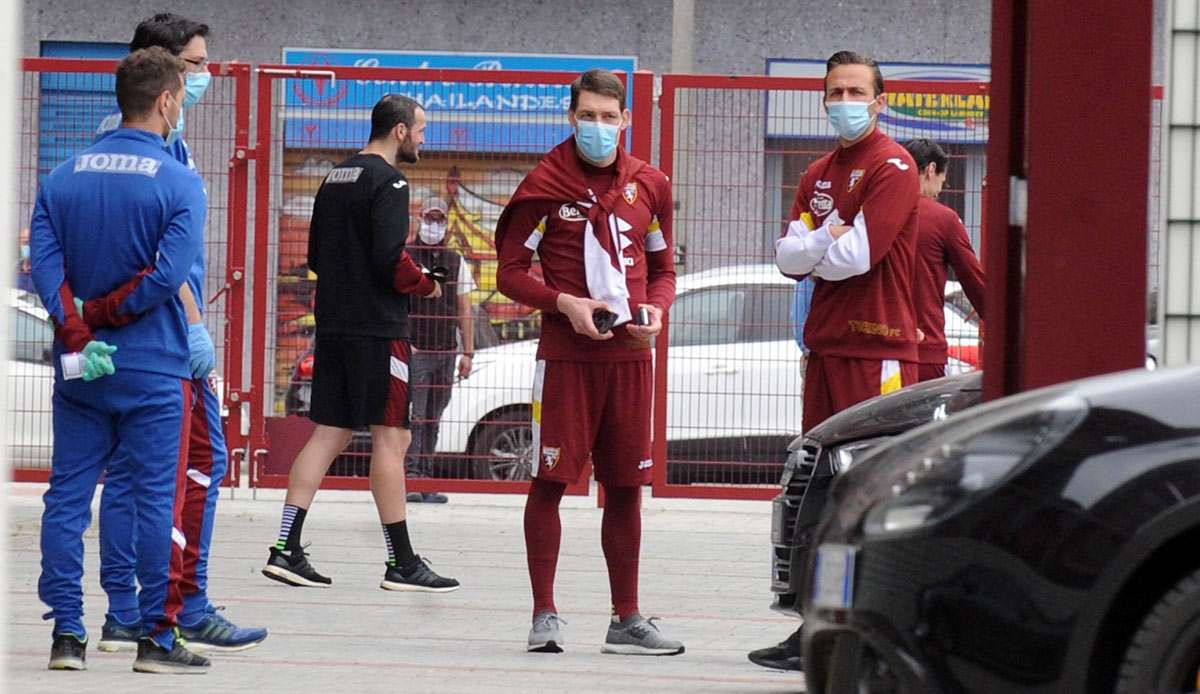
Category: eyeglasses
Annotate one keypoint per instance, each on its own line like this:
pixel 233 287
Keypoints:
pixel 200 64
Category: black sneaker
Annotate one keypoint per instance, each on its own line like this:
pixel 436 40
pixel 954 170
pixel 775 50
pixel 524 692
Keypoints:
pixel 293 569
pixel 417 577
pixel 153 658
pixel 116 637
pixel 785 656
pixel 67 652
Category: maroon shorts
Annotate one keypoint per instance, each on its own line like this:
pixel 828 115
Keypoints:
pixel 598 410
pixel 831 384
pixel 928 372
pixel 360 381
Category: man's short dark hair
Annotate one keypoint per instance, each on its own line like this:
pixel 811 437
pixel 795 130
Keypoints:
pixel 598 81
pixel 142 76
pixel 390 111
pixel 852 58
pixel 169 31
pixel 924 150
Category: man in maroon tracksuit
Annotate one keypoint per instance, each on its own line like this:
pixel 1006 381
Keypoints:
pixel 600 222
pixel 860 245
pixel 942 241
pixel 854 230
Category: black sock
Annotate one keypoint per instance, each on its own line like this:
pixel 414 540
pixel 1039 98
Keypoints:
pixel 289 528
pixel 400 551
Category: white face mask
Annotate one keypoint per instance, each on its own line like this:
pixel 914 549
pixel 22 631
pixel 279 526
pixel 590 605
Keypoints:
pixel 432 233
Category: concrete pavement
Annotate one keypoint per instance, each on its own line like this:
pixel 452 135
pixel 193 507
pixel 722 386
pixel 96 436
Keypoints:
pixel 705 573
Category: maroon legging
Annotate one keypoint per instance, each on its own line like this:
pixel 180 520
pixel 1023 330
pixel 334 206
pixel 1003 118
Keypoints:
pixel 620 537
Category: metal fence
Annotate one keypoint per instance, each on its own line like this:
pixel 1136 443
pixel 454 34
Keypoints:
pixel 63 103
pixel 728 369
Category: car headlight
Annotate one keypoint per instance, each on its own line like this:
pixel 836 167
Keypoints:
pixel 943 472
pixel 842 457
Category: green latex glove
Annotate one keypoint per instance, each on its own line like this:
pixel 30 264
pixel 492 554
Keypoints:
pixel 79 306
pixel 98 360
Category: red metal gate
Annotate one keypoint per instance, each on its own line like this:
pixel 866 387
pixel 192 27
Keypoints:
pixel 63 102
pixel 473 158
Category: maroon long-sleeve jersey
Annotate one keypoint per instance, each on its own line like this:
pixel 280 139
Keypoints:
pixel 942 242
pixel 549 215
pixel 862 304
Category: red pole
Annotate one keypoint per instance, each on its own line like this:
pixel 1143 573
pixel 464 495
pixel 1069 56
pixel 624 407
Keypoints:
pixel 236 391
pixel 262 235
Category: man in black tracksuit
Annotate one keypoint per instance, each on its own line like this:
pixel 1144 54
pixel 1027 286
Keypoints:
pixel 435 344
pixel 361 366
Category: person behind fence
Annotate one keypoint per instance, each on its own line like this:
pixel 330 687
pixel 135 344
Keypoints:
pixel 854 230
pixel 23 275
pixel 942 241
pixel 121 208
pixel 432 324
pixel 362 360
pixel 201 625
pixel 600 221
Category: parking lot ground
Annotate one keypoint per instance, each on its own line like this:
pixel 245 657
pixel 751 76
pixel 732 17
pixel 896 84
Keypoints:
pixel 705 573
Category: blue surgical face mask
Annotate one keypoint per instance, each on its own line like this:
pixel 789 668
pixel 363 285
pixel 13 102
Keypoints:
pixel 850 119
pixel 176 131
pixel 197 84
pixel 597 141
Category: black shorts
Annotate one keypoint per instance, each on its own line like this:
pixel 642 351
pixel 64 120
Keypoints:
pixel 360 381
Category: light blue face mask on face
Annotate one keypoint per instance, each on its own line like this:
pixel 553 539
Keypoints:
pixel 174 133
pixel 850 119
pixel 597 141
pixel 197 84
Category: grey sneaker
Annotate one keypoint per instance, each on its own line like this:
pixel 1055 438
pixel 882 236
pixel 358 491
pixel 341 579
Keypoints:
pixel 544 636
pixel 638 636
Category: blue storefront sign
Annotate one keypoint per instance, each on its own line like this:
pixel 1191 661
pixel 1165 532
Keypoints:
pixel 462 116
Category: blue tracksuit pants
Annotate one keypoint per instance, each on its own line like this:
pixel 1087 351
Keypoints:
pixel 207 461
pixel 141 419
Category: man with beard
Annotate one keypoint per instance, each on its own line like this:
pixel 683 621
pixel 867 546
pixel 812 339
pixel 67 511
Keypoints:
pixel 356 246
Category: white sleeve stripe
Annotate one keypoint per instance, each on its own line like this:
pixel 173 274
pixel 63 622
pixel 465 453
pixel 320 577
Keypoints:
pixel 655 242
pixel 534 240
pixel 849 256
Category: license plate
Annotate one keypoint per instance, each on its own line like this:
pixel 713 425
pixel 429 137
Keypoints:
pixel 834 584
pixel 778 511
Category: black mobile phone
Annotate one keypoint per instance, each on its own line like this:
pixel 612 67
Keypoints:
pixel 438 273
pixel 603 319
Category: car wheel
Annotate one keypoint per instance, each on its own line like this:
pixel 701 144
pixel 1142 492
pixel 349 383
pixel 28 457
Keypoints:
pixel 502 447
pixel 1164 654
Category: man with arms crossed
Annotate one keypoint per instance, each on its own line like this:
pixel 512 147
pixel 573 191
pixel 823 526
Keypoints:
pixel 854 230
pixel 361 365
pixel 600 221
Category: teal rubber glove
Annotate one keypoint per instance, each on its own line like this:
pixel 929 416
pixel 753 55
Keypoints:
pixel 98 362
pixel 79 306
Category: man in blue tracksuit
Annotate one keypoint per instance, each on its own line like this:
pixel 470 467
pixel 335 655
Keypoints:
pixel 122 208
pixel 202 627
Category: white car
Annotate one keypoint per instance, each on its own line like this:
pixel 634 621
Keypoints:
pixel 30 384
pixel 733 382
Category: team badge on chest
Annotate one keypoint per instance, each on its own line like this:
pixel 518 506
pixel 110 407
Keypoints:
pixel 855 176
pixel 630 192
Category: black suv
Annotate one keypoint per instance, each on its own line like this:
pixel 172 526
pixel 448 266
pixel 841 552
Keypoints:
pixel 1044 542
